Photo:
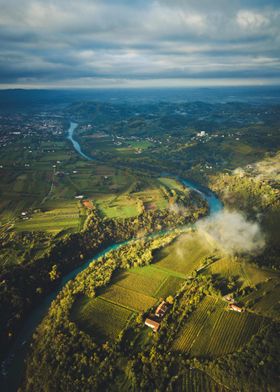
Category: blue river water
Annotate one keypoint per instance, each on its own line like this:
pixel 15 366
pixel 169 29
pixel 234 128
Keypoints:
pixel 13 367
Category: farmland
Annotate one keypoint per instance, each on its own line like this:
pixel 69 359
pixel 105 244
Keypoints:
pixel 136 290
pixel 57 217
pixel 100 317
pixel 128 298
pixel 212 330
pixel 142 283
pixel 264 299
pixel 245 273
pixel 185 255
pixel 197 381
pixel 57 210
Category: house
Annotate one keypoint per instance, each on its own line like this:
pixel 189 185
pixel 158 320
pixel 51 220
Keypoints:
pixel 161 309
pixel 152 324
pixel 88 204
pixel 228 298
pixel 235 308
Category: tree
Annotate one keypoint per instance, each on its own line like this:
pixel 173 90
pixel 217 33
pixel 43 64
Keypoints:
pixel 54 274
pixel 170 299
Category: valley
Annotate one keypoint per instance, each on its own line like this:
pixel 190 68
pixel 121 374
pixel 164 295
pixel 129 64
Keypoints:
pixel 109 211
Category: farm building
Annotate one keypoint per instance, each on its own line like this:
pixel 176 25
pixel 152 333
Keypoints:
pixel 161 309
pixel 228 298
pixel 235 308
pixel 88 204
pixel 152 324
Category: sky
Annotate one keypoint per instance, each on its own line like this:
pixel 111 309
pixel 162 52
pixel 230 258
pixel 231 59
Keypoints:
pixel 139 43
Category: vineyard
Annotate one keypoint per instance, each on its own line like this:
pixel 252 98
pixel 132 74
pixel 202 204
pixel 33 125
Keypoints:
pixel 212 330
pixel 137 282
pixel 197 381
pixel 185 254
pixel 247 274
pixel 128 298
pixel 100 318
pixel 265 299
pixel 169 287
pixel 193 327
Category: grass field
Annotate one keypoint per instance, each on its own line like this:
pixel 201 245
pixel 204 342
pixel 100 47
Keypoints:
pixel 212 330
pixel 100 318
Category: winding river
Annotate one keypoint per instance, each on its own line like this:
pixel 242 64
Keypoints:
pixel 13 367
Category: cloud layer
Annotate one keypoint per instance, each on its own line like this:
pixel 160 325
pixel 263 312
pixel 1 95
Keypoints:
pixel 122 42
pixel 233 233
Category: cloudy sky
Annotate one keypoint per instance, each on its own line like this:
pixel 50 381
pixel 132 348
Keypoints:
pixel 96 43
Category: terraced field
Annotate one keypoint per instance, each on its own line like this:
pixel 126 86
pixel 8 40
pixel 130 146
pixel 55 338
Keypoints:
pixel 212 330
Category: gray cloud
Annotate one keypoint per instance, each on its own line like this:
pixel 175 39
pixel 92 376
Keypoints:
pixel 72 42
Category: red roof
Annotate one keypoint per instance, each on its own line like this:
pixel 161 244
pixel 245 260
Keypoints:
pixel 235 307
pixel 161 309
pixel 152 324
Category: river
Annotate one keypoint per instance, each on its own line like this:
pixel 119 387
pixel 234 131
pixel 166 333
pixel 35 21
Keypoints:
pixel 13 367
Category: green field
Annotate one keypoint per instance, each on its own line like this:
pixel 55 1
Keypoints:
pixel 247 274
pixel 171 183
pixel 169 286
pixel 140 288
pixel 144 284
pixel 100 318
pixel 59 216
pixel 122 206
pixel 128 298
pixel 264 299
pixel 152 198
pixel 185 254
pixel 194 380
pixel 150 281
pixel 213 330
